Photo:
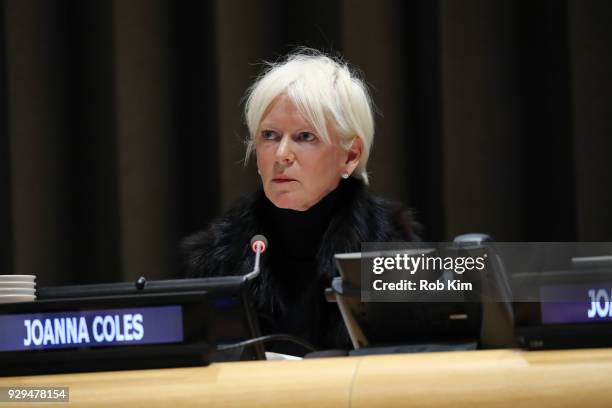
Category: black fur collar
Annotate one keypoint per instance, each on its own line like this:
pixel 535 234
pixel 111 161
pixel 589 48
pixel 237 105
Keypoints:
pixel 223 249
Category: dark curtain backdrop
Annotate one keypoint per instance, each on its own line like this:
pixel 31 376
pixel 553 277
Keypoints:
pixel 121 126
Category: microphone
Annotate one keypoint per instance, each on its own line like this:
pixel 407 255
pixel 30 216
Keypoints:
pixel 259 244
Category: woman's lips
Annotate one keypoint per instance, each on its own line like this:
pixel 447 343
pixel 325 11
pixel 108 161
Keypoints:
pixel 282 180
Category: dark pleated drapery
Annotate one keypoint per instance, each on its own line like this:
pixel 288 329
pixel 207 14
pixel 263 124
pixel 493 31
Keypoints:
pixel 121 127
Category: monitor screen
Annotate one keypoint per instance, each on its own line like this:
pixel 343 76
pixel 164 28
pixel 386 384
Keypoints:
pixel 376 323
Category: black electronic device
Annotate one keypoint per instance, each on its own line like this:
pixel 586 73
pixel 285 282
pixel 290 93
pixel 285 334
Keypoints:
pixel 104 333
pixel 219 306
pixel 570 309
pixel 231 316
pixel 373 324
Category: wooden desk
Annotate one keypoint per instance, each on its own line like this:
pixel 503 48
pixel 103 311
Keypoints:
pixel 491 378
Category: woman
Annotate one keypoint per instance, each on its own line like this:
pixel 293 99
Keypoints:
pixel 311 127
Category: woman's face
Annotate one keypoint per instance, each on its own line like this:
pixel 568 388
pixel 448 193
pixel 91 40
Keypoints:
pixel 297 167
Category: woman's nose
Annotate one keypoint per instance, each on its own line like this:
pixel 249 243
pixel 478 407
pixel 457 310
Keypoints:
pixel 284 152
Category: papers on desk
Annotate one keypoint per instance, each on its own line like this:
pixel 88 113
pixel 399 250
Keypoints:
pixel 277 356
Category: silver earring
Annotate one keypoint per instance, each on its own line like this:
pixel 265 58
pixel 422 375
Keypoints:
pixel 258 172
pixel 345 175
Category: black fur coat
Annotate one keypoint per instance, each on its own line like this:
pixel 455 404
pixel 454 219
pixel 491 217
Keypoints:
pixel 289 303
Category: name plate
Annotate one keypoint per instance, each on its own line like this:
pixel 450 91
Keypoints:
pixel 92 328
pixel 589 303
pixel 119 332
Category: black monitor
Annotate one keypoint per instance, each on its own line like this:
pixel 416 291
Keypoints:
pixel 417 323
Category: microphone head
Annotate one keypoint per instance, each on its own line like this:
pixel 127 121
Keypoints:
pixel 259 243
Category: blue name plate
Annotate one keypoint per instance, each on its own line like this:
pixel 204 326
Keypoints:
pixel 93 328
pixel 595 304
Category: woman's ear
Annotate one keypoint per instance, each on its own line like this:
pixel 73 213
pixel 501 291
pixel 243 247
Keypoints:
pixel 354 155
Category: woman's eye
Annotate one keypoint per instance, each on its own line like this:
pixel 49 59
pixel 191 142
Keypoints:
pixel 268 135
pixel 307 137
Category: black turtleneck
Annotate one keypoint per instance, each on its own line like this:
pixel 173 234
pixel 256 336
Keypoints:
pixel 294 238
pixel 299 233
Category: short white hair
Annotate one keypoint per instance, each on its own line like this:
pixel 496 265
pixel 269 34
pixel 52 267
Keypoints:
pixel 323 88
